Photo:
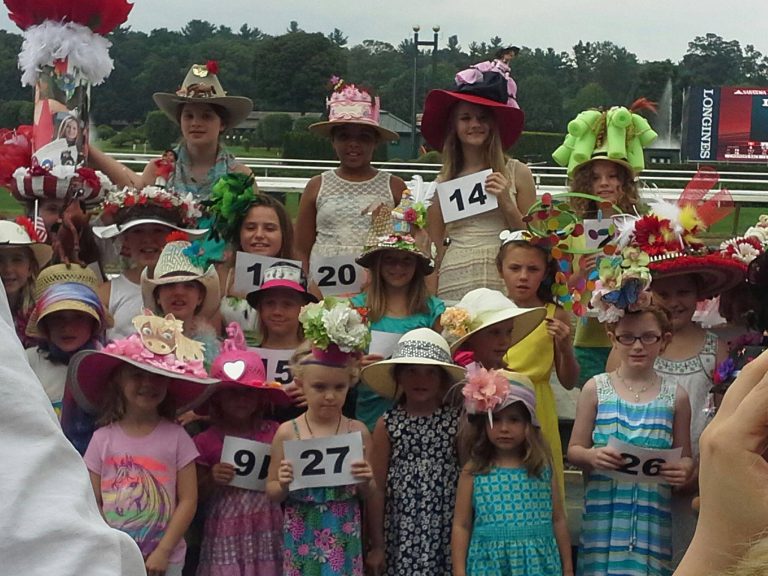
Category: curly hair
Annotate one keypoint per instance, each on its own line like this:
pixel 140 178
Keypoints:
pixel 582 182
pixel 544 291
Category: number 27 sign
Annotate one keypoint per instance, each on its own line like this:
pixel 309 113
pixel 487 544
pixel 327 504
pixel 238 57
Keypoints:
pixel 324 461
pixel 465 197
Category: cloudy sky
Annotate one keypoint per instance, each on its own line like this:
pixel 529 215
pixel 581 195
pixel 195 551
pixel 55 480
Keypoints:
pixel 652 29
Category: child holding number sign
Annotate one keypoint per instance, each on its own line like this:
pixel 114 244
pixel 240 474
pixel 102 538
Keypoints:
pixel 243 529
pixel 627 525
pixel 322 533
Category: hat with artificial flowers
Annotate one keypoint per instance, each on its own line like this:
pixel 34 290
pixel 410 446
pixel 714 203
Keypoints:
pixel 748 246
pixel 22 233
pixel 382 236
pixel 180 261
pixel 622 285
pixel 159 347
pixel 336 330
pixel 482 308
pixel 422 346
pixel 490 391
pixel 201 85
pixel 350 104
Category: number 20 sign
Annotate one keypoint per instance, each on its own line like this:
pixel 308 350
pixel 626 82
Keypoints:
pixel 465 197
pixel 324 461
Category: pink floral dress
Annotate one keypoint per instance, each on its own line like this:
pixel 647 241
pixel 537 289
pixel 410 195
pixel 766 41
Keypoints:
pixel 322 531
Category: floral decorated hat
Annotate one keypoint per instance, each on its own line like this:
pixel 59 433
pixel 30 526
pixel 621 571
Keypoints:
pixel 622 285
pixel 490 391
pixel 127 208
pixel 422 346
pixel 337 331
pixel 482 308
pixel 159 347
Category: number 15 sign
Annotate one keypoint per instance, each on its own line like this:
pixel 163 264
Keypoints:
pixel 324 461
pixel 465 197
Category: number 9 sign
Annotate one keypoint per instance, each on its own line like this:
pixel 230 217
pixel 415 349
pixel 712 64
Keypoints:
pixel 251 462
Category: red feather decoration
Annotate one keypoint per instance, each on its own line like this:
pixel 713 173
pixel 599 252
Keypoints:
pixel 643 104
pixel 101 16
pixel 15 151
pixel 712 209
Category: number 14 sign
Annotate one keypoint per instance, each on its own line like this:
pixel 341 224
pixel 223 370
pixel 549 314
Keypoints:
pixel 465 197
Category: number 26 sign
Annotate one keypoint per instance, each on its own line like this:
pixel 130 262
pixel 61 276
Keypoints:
pixel 324 461
pixel 465 197
pixel 640 464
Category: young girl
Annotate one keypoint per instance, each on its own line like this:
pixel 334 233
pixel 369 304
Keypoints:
pixel 627 526
pixel 142 464
pixel 396 298
pixel 528 272
pixel 509 517
pixel 243 529
pixel 472 127
pixel 484 325
pixel 22 256
pixel 322 525
pixel 414 457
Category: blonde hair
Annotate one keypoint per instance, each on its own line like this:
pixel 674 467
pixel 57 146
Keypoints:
pixel 376 294
pixel 754 562
pixel 453 153
pixel 301 358
pixel 26 299
pixel 582 182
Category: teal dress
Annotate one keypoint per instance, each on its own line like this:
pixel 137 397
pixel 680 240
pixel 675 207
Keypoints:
pixel 513 531
pixel 370 406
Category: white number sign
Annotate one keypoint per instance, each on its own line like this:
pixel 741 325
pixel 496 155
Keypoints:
pixel 250 268
pixel 465 197
pixel 337 274
pixel 251 462
pixel 383 343
pixel 324 461
pixel 277 364
pixel 597 233
pixel 640 464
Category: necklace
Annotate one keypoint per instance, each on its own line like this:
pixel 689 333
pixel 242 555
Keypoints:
pixel 310 428
pixel 631 389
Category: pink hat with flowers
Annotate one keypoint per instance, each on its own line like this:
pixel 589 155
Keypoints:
pixel 490 391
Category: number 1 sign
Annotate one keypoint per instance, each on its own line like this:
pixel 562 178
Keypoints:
pixel 466 196
pixel 324 461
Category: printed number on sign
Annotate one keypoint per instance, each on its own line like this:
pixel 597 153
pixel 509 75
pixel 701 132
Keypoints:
pixel 245 462
pixel 651 467
pixel 477 196
pixel 315 458
pixel 346 275
pixel 255 269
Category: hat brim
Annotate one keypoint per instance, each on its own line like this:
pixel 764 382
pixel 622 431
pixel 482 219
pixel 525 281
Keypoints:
pixel 33 326
pixel 114 230
pixel 437 109
pixel 272 394
pixel 604 156
pixel 717 274
pixel 238 107
pixel 209 280
pixel 366 259
pixel 254 297
pixel 325 128
pixel 90 370
pixel 379 377
pixel 42 252
pixel 526 321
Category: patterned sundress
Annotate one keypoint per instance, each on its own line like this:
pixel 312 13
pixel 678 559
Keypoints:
pixel 626 527
pixel 420 492
pixel 512 531
pixel 322 531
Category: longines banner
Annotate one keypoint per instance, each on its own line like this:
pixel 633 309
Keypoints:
pixel 727 124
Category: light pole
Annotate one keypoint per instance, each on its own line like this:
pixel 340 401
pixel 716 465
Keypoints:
pixel 416 44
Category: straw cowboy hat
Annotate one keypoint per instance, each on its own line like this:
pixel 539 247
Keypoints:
pixel 202 86
pixel 173 266
pixel 422 346
pixel 13 235
pixel 482 308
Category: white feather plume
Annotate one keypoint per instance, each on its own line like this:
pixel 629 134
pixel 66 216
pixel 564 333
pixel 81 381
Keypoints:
pixel 625 229
pixel 421 191
pixel 50 41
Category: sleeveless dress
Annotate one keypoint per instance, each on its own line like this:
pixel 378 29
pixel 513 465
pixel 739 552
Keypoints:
pixel 512 532
pixel 243 529
pixel 342 222
pixel 470 258
pixel 182 181
pixel 124 303
pixel 626 527
pixel 420 492
pixel 321 531
pixel 696 376
pixel 534 356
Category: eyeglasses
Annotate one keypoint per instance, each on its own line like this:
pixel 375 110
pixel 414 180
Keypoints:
pixel 630 339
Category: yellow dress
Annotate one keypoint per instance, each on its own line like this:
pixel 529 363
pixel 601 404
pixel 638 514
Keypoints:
pixel 534 356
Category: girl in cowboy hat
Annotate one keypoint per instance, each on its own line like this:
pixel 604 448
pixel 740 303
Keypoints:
pixel 203 111
pixel 243 529
pixel 472 126
pixel 22 256
pixel 142 463
pixel 333 212
pixel 420 426
pixel 508 517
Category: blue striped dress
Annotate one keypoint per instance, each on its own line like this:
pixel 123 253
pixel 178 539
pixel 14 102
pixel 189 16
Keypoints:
pixel 627 526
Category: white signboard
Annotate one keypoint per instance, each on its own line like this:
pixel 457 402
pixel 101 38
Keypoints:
pixel 324 461
pixel 640 464
pixel 597 233
pixel 336 275
pixel 465 197
pixel 251 462
pixel 277 364
pixel 383 343
pixel 250 268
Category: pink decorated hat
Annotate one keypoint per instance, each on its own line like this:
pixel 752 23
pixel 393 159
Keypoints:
pixel 282 275
pixel 490 391
pixel 349 104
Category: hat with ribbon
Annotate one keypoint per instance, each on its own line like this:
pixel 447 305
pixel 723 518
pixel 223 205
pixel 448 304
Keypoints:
pixel 490 391
pixel 283 275
pixel 22 233
pixel 202 86
pixel 422 346
pixel 489 89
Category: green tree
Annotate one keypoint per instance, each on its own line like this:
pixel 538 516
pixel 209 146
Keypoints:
pixel 161 131
pixel 198 30
pixel 273 128
pixel 338 38
pixel 712 61
pixel 590 96
pixel 542 102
